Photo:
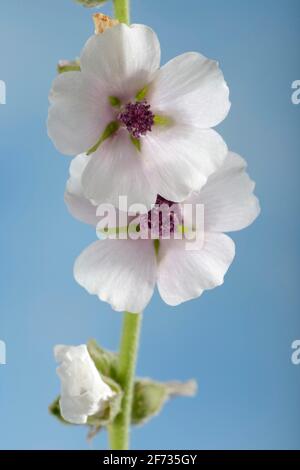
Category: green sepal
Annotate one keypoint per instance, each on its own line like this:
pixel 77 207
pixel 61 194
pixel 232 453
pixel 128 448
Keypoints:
pixel 105 361
pixel 110 409
pixel 108 412
pixel 68 66
pixel 91 3
pixel 54 409
pixel 148 400
pixel 150 397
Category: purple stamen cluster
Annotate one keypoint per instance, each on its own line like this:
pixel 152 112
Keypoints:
pixel 162 221
pixel 137 117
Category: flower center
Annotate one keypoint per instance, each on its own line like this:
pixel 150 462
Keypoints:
pixel 163 219
pixel 137 118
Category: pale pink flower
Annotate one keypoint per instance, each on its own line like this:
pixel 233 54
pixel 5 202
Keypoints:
pixel 124 272
pixel 147 128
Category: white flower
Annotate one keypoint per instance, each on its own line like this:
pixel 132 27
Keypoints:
pixel 83 392
pixel 148 128
pixel 124 272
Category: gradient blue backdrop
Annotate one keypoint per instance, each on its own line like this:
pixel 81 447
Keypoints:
pixel 235 340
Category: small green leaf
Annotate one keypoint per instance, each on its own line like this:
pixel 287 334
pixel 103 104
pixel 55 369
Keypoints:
pixel 68 66
pixel 91 3
pixel 141 95
pixel 110 129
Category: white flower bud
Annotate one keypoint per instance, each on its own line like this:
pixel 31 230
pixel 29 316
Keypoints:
pixel 83 392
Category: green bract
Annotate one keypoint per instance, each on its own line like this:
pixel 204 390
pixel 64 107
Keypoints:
pixel 91 3
pixel 68 66
pixel 105 361
pixel 148 399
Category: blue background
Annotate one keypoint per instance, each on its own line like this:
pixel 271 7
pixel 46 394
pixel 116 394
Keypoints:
pixel 235 340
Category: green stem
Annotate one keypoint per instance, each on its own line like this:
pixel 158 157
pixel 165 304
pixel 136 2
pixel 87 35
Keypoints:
pixel 119 430
pixel 121 8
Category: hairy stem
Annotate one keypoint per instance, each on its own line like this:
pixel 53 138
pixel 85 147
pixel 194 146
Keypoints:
pixel 121 9
pixel 119 430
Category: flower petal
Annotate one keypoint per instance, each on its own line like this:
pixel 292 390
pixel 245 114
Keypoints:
pixel 184 274
pixel 192 88
pixel 229 202
pixel 79 112
pixel 120 272
pixel 123 57
pixel 118 169
pixel 79 206
pixel 75 410
pixel 180 158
